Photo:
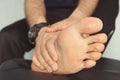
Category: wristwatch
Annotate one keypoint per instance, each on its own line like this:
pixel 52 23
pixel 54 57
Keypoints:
pixel 33 31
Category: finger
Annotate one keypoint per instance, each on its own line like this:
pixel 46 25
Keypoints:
pixel 41 61
pixel 52 64
pixel 89 63
pixel 50 46
pixel 90 25
pixel 98 38
pixel 94 56
pixel 45 65
pixel 36 68
pixel 37 63
pixel 40 56
pixel 41 32
pixel 96 47
pixel 40 42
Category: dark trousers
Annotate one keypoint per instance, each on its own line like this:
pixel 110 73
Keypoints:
pixel 14 42
pixel 19 69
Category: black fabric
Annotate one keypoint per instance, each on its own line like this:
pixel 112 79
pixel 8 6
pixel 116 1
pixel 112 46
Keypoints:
pixel 61 3
pixel 13 41
pixel 106 69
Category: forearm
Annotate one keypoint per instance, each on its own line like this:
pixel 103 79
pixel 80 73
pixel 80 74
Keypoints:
pixel 85 8
pixel 35 11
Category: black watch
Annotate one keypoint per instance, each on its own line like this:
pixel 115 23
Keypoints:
pixel 33 31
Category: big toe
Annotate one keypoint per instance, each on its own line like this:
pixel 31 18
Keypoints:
pixel 90 25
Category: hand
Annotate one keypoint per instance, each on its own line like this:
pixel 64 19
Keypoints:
pixel 45 56
pixel 63 24
pixel 50 51
pixel 75 51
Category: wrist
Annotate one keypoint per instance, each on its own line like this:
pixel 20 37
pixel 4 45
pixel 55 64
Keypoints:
pixel 37 21
pixel 33 31
pixel 77 15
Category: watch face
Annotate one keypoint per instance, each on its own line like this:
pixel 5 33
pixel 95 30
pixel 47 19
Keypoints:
pixel 32 34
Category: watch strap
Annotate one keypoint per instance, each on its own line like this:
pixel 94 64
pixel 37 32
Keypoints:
pixel 33 32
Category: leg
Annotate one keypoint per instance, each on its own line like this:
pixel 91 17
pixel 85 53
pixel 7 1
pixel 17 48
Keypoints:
pixel 20 70
pixel 13 41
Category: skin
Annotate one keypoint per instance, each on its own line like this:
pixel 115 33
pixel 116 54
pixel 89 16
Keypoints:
pixel 75 50
pixel 36 13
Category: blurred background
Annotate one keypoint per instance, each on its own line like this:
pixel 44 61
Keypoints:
pixel 10 11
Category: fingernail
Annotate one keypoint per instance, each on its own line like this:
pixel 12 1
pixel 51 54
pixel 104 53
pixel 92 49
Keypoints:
pixel 49 70
pixel 55 67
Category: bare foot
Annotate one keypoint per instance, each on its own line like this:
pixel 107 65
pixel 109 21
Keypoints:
pixel 77 51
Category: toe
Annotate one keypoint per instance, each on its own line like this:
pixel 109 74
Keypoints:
pixel 89 63
pixel 96 47
pixel 98 38
pixel 94 56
